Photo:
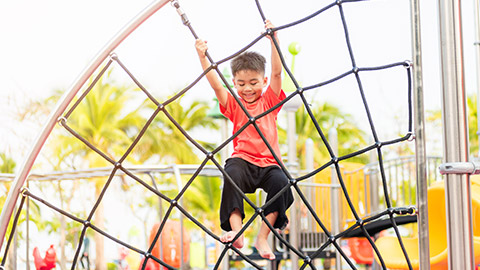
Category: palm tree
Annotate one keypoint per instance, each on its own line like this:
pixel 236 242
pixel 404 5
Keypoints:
pixel 164 141
pixel 105 119
pixel 203 197
pixel 102 120
pixel 328 116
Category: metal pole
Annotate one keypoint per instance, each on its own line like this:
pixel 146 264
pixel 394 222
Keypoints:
pixel 309 166
pixel 292 161
pixel 178 178
pixel 374 183
pixel 334 196
pixel 291 107
pixel 28 231
pixel 372 172
pixel 420 152
pixel 477 52
pixel 291 138
pixel 160 212
pixel 224 153
pixel 457 186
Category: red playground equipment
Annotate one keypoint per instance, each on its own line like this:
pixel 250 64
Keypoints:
pixel 361 250
pixel 46 263
pixel 170 245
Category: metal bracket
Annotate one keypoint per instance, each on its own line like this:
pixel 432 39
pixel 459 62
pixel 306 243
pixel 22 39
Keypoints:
pixel 472 167
pixel 180 12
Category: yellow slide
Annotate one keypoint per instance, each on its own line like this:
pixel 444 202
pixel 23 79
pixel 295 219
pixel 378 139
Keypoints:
pixel 390 248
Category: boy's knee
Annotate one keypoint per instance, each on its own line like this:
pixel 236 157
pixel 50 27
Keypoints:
pixel 280 180
pixel 234 171
pixel 277 187
pixel 234 178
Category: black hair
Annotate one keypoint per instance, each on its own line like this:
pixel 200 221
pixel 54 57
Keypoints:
pixel 248 61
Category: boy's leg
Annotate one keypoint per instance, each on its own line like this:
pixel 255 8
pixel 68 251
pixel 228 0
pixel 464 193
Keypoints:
pixel 231 206
pixel 236 224
pixel 261 244
pixel 274 180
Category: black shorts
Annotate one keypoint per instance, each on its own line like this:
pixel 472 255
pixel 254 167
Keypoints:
pixel 249 177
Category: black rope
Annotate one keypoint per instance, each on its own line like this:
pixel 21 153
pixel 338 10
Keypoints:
pixel 150 96
pixel 12 233
pixel 159 231
pixel 80 244
pixel 139 136
pixel 92 84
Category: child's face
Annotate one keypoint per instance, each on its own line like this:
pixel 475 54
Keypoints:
pixel 249 84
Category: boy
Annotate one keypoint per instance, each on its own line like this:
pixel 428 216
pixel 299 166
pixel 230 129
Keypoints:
pixel 252 164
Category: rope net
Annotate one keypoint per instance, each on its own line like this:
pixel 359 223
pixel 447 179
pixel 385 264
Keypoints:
pixel 162 107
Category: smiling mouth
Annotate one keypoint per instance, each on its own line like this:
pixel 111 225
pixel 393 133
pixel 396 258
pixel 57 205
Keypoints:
pixel 249 99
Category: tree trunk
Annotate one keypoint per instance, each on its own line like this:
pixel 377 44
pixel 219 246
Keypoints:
pixel 12 255
pixel 63 228
pixel 63 235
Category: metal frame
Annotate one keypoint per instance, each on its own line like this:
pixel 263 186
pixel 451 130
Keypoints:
pixel 208 170
pixel 62 105
pixel 476 8
pixel 457 186
pixel 420 151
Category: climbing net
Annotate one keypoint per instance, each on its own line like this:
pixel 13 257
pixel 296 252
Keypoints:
pixel 209 156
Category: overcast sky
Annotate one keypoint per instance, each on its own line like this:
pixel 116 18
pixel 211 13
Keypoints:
pixel 46 44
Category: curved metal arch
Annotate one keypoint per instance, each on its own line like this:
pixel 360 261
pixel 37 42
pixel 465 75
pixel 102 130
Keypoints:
pixel 63 104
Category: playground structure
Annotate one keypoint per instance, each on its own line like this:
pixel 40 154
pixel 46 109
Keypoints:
pixel 173 247
pixel 47 262
pixel 438 237
pixel 361 181
pixel 8 210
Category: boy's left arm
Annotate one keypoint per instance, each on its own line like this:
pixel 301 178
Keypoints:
pixel 276 76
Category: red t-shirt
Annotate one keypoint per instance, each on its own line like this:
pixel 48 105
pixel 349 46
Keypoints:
pixel 248 145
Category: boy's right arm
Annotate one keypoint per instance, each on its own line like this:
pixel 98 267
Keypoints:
pixel 212 77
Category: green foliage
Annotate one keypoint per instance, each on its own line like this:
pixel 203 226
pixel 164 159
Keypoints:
pixel 435 116
pixel 472 124
pixel 104 118
pixel 166 141
pixel 111 116
pixel 207 195
pixel 112 266
pixel 350 136
pixel 203 201
pixel 7 164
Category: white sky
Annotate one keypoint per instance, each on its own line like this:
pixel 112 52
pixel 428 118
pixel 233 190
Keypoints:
pixel 46 44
